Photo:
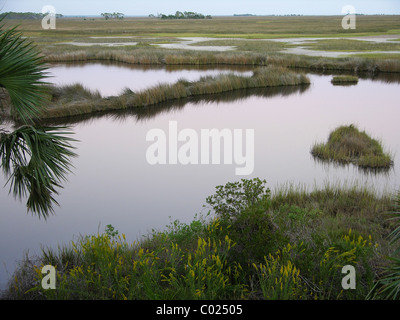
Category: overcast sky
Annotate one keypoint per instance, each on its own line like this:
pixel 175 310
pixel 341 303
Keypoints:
pixel 212 7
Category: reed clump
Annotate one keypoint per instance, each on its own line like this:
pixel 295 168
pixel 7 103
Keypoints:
pixel 347 144
pixel 72 93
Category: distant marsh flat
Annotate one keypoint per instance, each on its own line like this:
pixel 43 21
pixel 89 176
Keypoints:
pixel 292 30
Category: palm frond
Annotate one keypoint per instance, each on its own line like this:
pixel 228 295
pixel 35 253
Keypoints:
pixel 388 287
pixel 395 234
pixel 36 161
pixel 22 71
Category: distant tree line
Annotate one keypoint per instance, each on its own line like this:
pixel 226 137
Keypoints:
pixel 25 15
pixel 114 15
pixel 182 15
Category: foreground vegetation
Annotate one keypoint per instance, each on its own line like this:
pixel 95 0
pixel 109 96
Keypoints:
pixel 291 244
pixel 347 144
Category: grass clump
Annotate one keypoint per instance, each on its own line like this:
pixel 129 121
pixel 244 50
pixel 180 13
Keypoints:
pixel 344 80
pixel 347 144
pixel 72 93
pixel 254 244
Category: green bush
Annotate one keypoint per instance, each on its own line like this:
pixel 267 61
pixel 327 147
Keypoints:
pixel 234 197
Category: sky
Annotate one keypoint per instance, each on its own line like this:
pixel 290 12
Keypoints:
pixel 211 7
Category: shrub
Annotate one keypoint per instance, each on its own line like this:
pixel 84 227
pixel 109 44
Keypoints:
pixel 243 208
pixel 234 197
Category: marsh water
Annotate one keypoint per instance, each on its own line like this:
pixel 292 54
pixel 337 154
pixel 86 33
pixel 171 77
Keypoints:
pixel 113 183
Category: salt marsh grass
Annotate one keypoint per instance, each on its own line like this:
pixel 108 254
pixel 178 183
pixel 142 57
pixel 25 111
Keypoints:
pixel 72 93
pixel 344 79
pixel 347 45
pixel 84 103
pixel 143 56
pixel 347 144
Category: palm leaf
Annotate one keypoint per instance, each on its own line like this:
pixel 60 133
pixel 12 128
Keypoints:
pixel 388 287
pixel 395 234
pixel 36 161
pixel 22 70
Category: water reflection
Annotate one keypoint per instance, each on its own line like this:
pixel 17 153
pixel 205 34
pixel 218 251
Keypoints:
pixel 344 84
pixel 169 68
pixel 384 77
pixel 152 111
pixel 35 170
pixel 371 172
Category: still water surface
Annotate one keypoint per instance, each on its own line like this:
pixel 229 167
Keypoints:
pixel 112 183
